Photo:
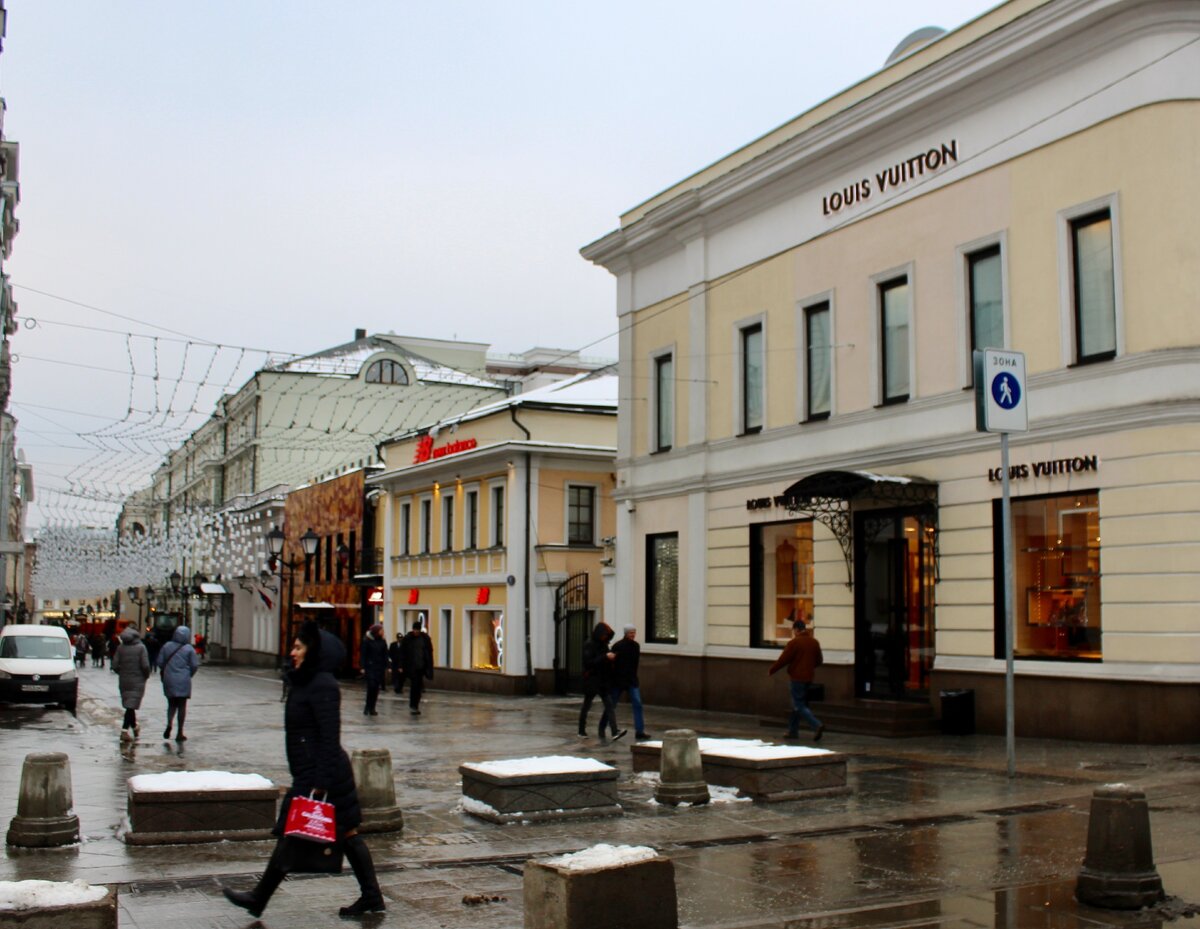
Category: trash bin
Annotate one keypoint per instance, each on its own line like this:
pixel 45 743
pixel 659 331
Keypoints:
pixel 958 712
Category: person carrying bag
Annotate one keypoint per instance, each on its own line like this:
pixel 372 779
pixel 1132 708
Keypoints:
pixel 319 766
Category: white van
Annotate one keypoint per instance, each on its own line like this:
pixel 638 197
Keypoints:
pixel 36 666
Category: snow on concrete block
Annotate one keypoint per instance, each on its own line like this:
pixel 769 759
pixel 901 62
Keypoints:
pixel 57 904
pixel 180 807
pixel 539 788
pixel 601 887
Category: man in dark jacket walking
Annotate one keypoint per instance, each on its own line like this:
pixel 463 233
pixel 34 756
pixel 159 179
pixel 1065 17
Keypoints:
pixel 374 665
pixel 598 681
pixel 801 656
pixel 416 664
pixel 394 659
pixel 625 677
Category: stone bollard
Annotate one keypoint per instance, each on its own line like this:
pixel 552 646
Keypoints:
pixel 681 773
pixel 1118 871
pixel 597 889
pixel 44 817
pixel 376 790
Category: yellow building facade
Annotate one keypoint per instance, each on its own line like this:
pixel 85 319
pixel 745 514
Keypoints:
pixel 804 313
pixel 495 526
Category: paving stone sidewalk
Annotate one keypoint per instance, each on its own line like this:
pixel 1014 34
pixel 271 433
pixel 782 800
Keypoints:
pixel 933 833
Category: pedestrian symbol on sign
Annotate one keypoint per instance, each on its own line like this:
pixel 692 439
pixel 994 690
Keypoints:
pixel 1005 390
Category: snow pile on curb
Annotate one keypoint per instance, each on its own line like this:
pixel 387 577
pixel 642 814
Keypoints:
pixel 546 764
pixel 40 895
pixel 602 856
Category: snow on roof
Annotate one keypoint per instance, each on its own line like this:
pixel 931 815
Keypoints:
pixel 197 780
pixel 602 856
pixel 346 361
pixel 29 895
pixel 545 764
pixel 580 390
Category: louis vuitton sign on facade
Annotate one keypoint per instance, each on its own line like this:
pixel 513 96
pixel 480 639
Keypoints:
pixel 897 175
pixel 1054 466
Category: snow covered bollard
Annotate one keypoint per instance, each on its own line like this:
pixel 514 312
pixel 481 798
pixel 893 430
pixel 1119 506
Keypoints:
pixel 539 788
pixel 45 818
pixel 178 807
pixel 602 887
pixel 57 904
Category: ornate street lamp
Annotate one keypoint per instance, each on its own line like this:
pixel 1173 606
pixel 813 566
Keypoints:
pixel 309 542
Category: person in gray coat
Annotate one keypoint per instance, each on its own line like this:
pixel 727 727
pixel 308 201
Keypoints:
pixel 177 662
pixel 131 664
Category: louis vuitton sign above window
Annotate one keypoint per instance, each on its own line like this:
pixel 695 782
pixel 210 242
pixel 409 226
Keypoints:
pixel 888 179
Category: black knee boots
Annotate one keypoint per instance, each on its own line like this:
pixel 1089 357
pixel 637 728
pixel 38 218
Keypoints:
pixel 256 900
pixel 370 898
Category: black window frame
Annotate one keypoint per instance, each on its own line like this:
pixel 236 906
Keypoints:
pixel 661 423
pixel 900 280
pixel 425 526
pixel 497 515
pixel 384 371
pixel 744 358
pixel 652 575
pixel 575 523
pixel 810 312
pixel 972 259
pixel 1104 214
pixel 471 519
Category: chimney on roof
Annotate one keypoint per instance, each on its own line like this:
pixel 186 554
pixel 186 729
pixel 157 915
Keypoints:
pixel 360 334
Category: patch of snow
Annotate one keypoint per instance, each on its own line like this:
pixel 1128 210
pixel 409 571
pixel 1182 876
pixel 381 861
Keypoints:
pixel 602 856
pixel 545 764
pixel 719 794
pixel 197 780
pixel 750 749
pixel 28 895
pixel 478 807
pixel 650 778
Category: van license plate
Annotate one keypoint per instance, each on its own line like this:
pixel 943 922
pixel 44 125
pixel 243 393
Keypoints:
pixel 35 688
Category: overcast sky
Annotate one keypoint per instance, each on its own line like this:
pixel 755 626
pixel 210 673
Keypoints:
pixel 271 174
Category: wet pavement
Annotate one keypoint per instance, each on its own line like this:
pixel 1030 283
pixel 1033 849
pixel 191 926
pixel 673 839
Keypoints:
pixel 932 834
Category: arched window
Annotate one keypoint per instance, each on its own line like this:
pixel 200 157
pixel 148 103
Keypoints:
pixel 387 371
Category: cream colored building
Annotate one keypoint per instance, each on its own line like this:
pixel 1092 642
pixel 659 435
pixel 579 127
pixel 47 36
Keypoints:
pixel 797 431
pixel 496 529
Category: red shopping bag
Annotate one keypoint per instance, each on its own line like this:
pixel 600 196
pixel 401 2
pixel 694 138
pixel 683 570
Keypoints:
pixel 312 819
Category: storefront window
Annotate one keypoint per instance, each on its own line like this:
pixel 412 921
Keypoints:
pixel 487 640
pixel 1056 546
pixel 781 588
pixel 662 587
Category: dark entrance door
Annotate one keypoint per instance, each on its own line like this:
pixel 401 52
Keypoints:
pixel 571 628
pixel 893 605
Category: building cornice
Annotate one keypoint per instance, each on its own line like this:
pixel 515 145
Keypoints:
pixel 426 471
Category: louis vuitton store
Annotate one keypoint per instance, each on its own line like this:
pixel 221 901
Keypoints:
pixel 796 430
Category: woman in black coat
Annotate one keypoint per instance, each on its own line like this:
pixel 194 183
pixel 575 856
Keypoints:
pixel 312 726
pixel 597 680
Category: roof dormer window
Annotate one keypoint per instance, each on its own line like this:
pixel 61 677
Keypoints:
pixel 387 371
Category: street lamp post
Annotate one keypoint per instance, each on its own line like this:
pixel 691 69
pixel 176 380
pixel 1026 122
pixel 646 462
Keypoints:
pixel 147 599
pixel 279 565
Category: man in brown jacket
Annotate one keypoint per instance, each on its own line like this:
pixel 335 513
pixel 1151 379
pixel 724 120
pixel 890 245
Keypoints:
pixel 801 656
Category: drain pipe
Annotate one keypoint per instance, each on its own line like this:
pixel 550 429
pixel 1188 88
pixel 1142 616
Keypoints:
pixel 531 680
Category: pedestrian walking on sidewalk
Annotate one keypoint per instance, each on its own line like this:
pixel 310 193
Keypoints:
pixel 317 761
pixel 625 677
pixel 416 663
pixel 96 642
pixel 131 664
pixel 81 650
pixel 598 680
pixel 394 659
pixel 177 664
pixel 801 656
pixel 374 658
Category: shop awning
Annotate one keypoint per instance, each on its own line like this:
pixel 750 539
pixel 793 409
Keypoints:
pixel 315 605
pixel 829 497
pixel 210 589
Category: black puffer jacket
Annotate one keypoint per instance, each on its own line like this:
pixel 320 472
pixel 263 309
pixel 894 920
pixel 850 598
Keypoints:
pixel 312 722
pixel 597 667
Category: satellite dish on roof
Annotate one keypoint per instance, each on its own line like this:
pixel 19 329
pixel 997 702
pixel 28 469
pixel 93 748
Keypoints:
pixel 913 42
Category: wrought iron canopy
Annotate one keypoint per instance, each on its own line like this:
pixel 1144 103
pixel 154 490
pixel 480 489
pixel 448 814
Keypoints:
pixel 829 498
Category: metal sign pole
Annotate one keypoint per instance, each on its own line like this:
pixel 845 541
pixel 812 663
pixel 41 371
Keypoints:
pixel 1010 727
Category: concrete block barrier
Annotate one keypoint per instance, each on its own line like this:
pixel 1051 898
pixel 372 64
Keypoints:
pixel 601 888
pixel 184 807
pixel 376 790
pixel 57 905
pixel 539 788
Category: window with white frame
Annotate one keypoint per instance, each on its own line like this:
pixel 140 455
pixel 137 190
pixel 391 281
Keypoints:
pixel 1093 286
pixel 818 361
pixel 894 310
pixel 752 363
pixel 471 518
pixel 581 514
pixel 664 402
pixel 497 534
pixel 425 526
pixel 405 529
pixel 448 522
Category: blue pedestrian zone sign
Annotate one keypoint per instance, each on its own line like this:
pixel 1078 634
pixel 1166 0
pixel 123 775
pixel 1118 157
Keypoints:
pixel 1000 404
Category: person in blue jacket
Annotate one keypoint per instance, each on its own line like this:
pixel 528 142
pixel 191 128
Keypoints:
pixel 178 663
